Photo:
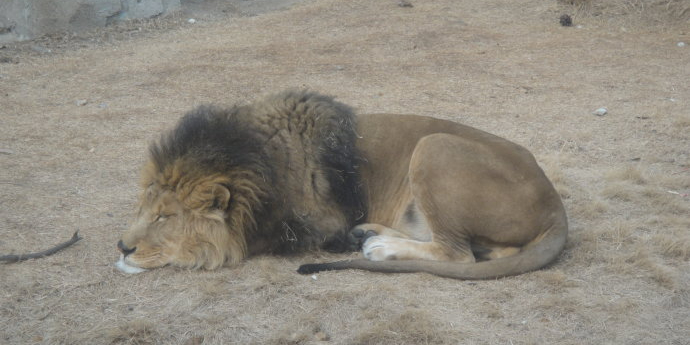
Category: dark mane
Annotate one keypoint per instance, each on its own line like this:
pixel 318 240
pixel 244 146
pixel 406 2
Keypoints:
pixel 333 138
pixel 212 139
pixel 337 136
pixel 340 157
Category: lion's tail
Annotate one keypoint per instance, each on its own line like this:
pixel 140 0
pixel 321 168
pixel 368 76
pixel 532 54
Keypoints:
pixel 534 256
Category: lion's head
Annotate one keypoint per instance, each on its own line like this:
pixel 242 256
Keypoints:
pixel 186 226
pixel 199 197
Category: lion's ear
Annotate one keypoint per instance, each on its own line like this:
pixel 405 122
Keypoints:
pixel 209 195
pixel 221 197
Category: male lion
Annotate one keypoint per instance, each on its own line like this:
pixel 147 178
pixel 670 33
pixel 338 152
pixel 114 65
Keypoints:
pixel 297 171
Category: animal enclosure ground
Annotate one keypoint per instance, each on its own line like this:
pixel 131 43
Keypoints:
pixel 75 123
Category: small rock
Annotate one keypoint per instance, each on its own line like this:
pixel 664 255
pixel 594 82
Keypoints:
pixel 40 49
pixel 6 151
pixel 579 26
pixel 92 150
pixel 403 3
pixel 314 277
pixel 681 44
pixel 601 111
pixel 565 20
pixel 191 20
pixel 81 102
pixel 103 105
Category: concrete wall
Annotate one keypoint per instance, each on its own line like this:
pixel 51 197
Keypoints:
pixel 27 19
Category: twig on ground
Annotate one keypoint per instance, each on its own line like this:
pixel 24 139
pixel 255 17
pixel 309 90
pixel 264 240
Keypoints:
pixel 21 257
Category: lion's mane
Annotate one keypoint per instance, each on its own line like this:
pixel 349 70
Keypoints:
pixel 289 162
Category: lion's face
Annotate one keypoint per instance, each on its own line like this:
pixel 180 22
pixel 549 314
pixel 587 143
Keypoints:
pixel 186 228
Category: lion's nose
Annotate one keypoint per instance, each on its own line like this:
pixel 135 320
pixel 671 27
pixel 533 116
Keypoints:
pixel 124 249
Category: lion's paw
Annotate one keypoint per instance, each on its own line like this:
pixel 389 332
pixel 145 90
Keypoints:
pixel 358 236
pixel 380 248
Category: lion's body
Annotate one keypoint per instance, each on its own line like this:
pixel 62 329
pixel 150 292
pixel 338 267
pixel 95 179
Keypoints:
pixel 293 172
pixel 443 192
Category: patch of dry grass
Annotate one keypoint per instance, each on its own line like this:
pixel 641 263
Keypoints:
pixel 676 180
pixel 556 281
pixel 304 329
pixel 613 236
pixel 136 332
pixel 559 305
pixel 682 123
pixel 626 246
pixel 554 167
pixel 412 326
pixel 589 204
pixel 628 173
pixel 632 12
pixel 675 244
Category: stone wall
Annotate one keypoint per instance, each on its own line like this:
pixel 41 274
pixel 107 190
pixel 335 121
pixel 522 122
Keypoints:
pixel 27 19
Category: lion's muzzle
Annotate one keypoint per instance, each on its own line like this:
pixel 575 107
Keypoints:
pixel 123 266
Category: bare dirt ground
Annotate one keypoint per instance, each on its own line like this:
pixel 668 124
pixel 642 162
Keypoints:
pixel 75 123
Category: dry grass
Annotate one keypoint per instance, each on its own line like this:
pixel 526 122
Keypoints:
pixel 137 332
pixel 628 173
pixel 412 326
pixel 632 12
pixel 503 66
pixel 553 168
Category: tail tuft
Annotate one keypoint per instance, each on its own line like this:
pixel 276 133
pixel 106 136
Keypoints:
pixel 311 268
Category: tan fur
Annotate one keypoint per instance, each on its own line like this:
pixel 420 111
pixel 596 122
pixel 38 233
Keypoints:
pixel 441 198
pixel 194 235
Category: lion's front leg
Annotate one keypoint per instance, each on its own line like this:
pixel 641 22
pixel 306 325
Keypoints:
pixel 380 248
pixel 381 243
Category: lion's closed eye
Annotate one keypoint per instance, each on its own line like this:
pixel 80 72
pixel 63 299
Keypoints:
pixel 162 218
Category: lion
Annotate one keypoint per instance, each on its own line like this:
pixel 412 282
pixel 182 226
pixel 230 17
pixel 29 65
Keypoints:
pixel 298 171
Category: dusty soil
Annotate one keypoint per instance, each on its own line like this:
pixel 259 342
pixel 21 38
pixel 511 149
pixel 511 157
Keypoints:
pixel 77 113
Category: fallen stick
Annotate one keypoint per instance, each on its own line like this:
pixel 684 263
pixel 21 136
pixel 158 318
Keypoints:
pixel 21 257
